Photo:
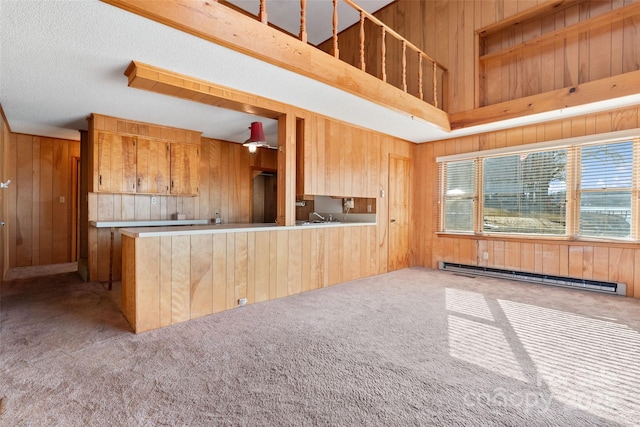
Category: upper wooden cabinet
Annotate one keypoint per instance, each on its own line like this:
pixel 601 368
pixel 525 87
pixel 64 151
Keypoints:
pixel 335 159
pixel 185 164
pixel 132 157
pixel 153 172
pixel 116 163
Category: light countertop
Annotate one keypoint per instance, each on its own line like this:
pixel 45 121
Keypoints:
pixel 121 224
pixel 186 230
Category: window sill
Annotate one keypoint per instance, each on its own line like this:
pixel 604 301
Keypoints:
pixel 541 238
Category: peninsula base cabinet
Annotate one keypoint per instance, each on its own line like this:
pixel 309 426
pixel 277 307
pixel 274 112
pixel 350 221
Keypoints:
pixel 168 278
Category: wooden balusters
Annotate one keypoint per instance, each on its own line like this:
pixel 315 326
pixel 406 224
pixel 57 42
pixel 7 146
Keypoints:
pixel 420 94
pixel 363 66
pixel 435 85
pixel 262 15
pixel 303 21
pixel 404 65
pixel 383 59
pixel 335 52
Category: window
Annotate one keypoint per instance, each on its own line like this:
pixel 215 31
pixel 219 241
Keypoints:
pixel 558 188
pixel 525 193
pixel 606 177
pixel 460 192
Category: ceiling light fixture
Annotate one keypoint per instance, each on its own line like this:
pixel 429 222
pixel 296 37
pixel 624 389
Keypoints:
pixel 257 139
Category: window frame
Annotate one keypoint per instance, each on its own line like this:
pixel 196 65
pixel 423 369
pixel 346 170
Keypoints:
pixel 573 148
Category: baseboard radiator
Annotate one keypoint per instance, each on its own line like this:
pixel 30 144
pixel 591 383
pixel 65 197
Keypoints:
pixel 570 282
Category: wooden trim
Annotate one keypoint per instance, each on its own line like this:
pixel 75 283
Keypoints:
pixel 615 15
pixel 154 79
pixel 218 24
pixel 4 117
pixel 586 93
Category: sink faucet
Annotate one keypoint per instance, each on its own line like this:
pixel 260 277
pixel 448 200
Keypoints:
pixel 318 215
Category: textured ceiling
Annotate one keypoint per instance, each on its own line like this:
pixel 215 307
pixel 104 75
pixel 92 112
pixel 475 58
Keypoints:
pixel 62 60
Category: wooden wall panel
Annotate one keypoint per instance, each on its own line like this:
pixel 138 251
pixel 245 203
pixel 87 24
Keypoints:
pixel 40 215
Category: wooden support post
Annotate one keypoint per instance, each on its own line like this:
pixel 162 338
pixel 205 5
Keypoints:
pixel 363 66
pixel 404 65
pixel 420 93
pixel 111 242
pixel 335 50
pixel 303 21
pixel 383 59
pixel 262 16
pixel 435 85
pixel 286 203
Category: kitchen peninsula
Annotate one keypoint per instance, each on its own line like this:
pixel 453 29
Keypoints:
pixel 175 274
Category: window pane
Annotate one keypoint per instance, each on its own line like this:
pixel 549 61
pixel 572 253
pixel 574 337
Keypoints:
pixel 605 214
pixel 606 173
pixel 460 190
pixel 525 193
pixel 606 166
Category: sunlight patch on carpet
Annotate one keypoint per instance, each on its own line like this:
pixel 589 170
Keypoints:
pixel 574 358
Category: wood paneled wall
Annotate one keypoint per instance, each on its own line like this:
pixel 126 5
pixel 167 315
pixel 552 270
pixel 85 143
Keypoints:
pixel 4 194
pixel 40 199
pixel 602 261
pixel 445 29
pixel 185 277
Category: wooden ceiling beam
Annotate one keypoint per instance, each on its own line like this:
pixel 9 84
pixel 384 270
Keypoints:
pixel 158 80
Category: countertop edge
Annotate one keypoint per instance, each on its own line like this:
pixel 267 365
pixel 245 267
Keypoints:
pixel 226 228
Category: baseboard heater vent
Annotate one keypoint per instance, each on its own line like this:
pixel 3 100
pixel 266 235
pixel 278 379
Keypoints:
pixel 570 282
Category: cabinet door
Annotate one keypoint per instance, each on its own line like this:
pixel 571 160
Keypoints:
pixel 185 164
pixel 116 163
pixel 153 166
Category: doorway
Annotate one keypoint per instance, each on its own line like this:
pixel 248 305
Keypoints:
pixel 399 182
pixel 264 196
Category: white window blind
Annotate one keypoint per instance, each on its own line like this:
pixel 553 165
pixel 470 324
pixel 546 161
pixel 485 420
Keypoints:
pixel 525 193
pixel 459 195
pixel 604 190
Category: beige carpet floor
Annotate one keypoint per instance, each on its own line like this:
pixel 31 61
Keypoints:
pixel 414 347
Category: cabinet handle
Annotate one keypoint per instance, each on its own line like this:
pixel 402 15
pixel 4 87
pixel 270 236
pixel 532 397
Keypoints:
pixel 393 220
pixel 171 183
pixel 100 180
pixel 138 182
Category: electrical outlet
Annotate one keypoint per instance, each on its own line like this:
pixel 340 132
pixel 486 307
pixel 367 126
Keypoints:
pixel 485 255
pixel 154 200
pixel 242 301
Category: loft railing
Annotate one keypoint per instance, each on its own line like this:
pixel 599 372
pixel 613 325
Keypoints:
pixel 437 70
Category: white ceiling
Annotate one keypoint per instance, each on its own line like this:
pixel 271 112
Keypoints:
pixel 62 60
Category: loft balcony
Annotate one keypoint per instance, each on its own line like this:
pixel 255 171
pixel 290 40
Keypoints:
pixel 411 107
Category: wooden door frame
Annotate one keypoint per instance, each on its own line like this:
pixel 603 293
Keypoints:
pixel 74 254
pixel 253 172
